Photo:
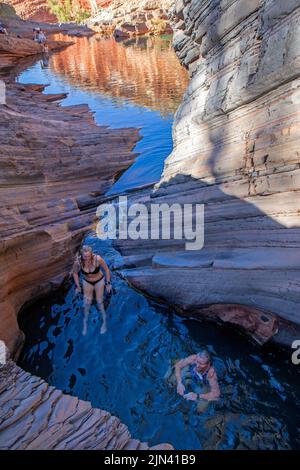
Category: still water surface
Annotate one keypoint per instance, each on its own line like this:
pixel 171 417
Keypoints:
pixel 137 83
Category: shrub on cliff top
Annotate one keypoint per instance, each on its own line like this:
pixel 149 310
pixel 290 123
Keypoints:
pixel 67 11
pixel 7 11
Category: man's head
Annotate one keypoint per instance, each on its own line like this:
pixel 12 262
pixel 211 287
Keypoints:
pixel 203 360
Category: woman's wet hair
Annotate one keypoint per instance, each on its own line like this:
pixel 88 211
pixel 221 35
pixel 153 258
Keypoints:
pixel 204 354
pixel 84 249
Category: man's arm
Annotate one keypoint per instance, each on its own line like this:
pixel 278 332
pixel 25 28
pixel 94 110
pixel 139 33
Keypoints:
pixel 214 393
pixel 178 368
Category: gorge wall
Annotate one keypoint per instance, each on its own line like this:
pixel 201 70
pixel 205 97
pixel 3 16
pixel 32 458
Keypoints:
pixel 236 150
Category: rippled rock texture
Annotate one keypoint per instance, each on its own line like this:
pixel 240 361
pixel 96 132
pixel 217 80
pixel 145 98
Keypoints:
pixel 133 17
pixel 37 416
pixel 236 149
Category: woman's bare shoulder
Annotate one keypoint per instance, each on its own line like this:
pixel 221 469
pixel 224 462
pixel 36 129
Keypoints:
pixel 100 260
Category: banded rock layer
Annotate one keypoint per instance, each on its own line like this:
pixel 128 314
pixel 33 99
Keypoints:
pixel 236 150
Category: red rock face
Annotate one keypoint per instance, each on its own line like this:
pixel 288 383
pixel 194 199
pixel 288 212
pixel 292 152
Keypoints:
pixel 39 10
pixel 35 10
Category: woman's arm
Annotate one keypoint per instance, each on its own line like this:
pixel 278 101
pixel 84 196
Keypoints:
pixel 76 276
pixel 105 267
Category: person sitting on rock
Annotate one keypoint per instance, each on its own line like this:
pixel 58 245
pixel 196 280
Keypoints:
pixel 91 266
pixel 41 39
pixel 200 376
pixel 3 30
pixel 35 33
pixel 39 36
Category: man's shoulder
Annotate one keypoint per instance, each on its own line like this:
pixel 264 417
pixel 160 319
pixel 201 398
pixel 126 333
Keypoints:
pixel 212 372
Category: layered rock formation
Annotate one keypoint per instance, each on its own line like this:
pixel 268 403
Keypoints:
pixel 236 150
pixel 133 18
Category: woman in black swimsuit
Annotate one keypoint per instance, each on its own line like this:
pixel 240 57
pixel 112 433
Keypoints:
pixel 92 267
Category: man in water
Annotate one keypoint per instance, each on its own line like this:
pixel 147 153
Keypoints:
pixel 200 377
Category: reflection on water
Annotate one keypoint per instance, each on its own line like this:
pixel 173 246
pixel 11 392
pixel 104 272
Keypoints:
pixel 144 71
pixel 136 83
pixel 126 371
